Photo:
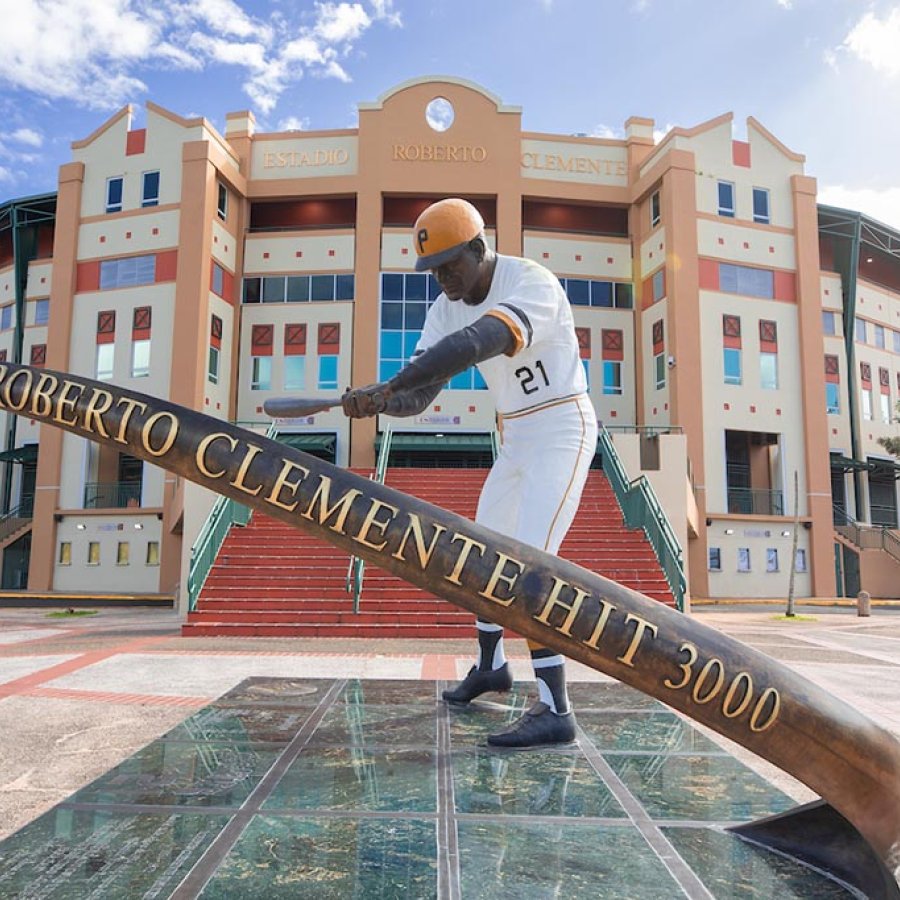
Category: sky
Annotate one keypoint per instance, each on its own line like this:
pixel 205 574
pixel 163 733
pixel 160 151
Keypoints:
pixel 822 75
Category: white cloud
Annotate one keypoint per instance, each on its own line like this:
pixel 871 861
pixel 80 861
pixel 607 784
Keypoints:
pixel 27 136
pixel 339 22
pixel 785 4
pixel 876 41
pixel 293 123
pixel 883 205
pixel 91 53
pixel 607 131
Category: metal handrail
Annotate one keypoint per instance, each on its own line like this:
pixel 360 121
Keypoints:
pixel 205 549
pixel 755 501
pixel 641 509
pixel 112 494
pixel 18 517
pixel 353 583
pixel 866 537
pixel 495 444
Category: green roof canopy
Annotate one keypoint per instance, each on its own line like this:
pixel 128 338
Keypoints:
pixel 25 454
pixel 436 443
pixel 309 441
pixel 846 464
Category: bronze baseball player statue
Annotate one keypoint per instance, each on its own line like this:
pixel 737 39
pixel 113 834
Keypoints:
pixel 511 317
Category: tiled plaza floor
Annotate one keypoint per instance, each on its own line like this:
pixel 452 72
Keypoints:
pixel 137 763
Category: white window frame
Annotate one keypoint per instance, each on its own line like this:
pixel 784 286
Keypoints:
pixel 145 200
pixel 724 210
pixel 654 209
pixel 260 373
pixel 762 373
pixel 760 218
pixel 709 559
pixel 212 369
pixel 222 202
pixel 659 367
pixel 108 206
pixel 743 560
pixel 142 371
pixel 108 371
pixel 730 379
pixel 772 559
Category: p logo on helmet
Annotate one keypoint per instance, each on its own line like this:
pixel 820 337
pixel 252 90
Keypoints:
pixel 443 230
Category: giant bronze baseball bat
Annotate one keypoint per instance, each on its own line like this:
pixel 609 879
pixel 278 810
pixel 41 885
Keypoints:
pixel 852 763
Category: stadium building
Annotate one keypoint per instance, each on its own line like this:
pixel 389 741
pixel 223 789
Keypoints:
pixel 742 344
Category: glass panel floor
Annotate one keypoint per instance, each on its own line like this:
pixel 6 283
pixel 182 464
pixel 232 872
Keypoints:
pixel 327 788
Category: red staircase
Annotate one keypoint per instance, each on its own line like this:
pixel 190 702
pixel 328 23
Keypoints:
pixel 271 580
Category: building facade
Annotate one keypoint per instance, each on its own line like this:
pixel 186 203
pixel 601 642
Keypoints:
pixel 711 300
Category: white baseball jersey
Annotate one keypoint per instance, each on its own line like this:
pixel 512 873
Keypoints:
pixel 545 365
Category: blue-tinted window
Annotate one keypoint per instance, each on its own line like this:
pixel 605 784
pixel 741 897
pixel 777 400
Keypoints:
pixel 322 287
pixel 41 312
pixel 252 290
pixel 391 287
pixel 297 288
pixel 414 315
pixel 726 199
pixel 392 344
pixel 328 372
pixel 746 280
pixel 659 285
pixel 261 373
pixel 828 322
pixel 150 189
pixel 586 365
pixel 879 337
pixel 761 205
pixel 861 330
pixel 732 361
pixel 601 293
pixel 114 194
pixel 345 289
pixel 273 289
pixel 218 279
pixel 715 559
pixel 6 317
pixel 434 289
pixel 294 373
pixel 624 295
pixel 832 398
pixel 391 315
pixel 416 287
pixel 578 291
pixel 612 377
pixel 127 272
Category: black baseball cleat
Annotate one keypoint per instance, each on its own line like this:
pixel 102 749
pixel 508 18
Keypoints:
pixel 539 727
pixel 477 683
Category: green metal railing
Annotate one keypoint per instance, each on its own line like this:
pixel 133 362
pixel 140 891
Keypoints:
pixel 866 537
pixel 111 494
pixel 205 549
pixel 755 502
pixel 17 518
pixel 641 509
pixel 357 567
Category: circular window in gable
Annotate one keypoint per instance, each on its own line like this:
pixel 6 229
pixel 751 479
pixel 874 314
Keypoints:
pixel 439 114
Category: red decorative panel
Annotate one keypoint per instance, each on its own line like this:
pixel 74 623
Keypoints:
pixel 87 276
pixel 658 337
pixel 785 286
pixel 329 338
pixel 261 340
pixel 295 340
pixel 865 373
pixel 215 332
pixel 832 369
pixel 709 275
pixel 740 153
pixel 613 344
pixel 141 321
pixel 584 342
pixel 731 331
pixel 884 380
pixel 38 355
pixel 135 141
pixel 768 336
pixel 106 326
pixel 166 265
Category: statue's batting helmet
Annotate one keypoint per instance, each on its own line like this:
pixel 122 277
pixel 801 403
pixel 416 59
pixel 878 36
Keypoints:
pixel 443 230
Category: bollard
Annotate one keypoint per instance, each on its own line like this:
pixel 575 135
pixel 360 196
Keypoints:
pixel 863 604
